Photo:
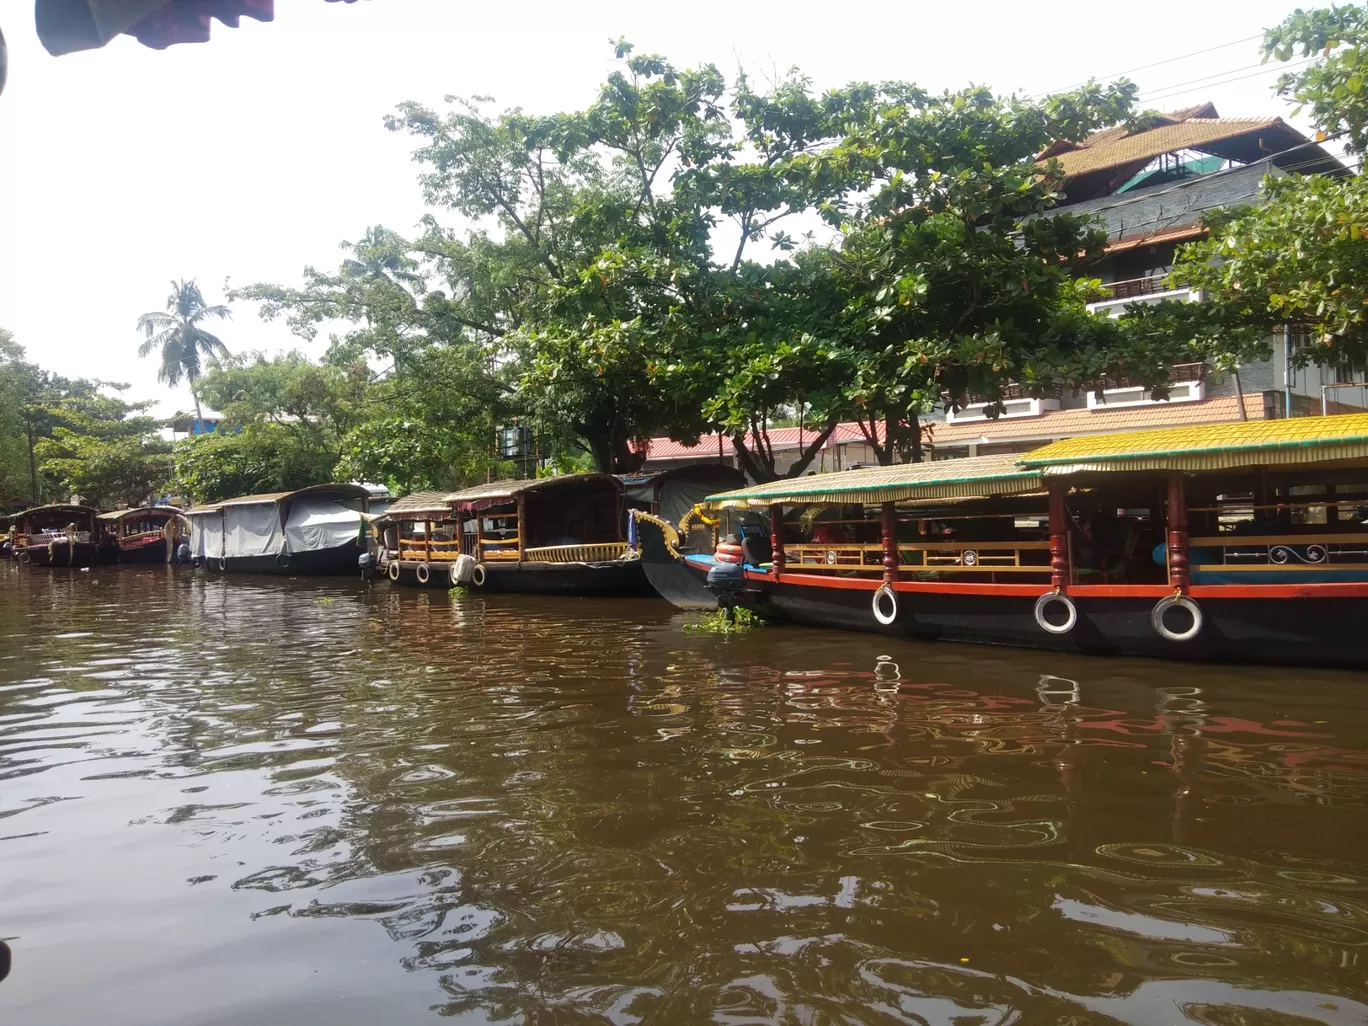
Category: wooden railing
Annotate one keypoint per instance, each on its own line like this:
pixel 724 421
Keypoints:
pixel 500 550
pixel 920 557
pixel 433 551
pixel 143 538
pixel 1287 552
pixel 595 552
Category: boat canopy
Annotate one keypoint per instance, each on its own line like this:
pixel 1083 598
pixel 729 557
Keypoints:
pixel 119 514
pixel 672 493
pixel 278 523
pixel 417 506
pixel 342 491
pixel 1256 443
pixel 495 492
pixel 975 477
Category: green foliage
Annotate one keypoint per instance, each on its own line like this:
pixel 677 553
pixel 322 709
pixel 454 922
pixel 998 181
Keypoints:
pixel 458 592
pixel 738 620
pixel 1332 87
pixel 264 458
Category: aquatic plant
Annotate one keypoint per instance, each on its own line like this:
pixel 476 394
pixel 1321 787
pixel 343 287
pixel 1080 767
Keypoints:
pixel 726 621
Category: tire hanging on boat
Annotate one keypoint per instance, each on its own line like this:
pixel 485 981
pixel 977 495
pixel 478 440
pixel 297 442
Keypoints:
pixel 423 572
pixel 477 576
pixel 393 570
pixel 1176 602
pixel 885 615
pixel 1048 599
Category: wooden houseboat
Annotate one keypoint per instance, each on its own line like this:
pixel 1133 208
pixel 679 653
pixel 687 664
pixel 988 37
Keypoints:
pixel 315 530
pixel 57 535
pixel 555 535
pixel 1242 542
pixel 667 522
pixel 420 543
pixel 145 535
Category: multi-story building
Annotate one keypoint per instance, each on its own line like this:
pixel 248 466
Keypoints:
pixel 1149 189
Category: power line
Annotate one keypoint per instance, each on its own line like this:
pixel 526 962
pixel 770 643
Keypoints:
pixel 1156 64
pixel 1175 90
pixel 1220 74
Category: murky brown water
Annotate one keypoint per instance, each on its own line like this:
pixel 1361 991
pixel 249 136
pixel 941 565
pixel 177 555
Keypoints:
pixel 262 801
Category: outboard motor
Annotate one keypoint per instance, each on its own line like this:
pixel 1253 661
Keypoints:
pixel 183 553
pixel 727 577
pixel 366 564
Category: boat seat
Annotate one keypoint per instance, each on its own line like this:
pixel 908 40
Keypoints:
pixel 756 549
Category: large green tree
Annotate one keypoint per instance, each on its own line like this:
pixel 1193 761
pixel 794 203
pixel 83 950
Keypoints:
pixel 178 336
pixel 1298 256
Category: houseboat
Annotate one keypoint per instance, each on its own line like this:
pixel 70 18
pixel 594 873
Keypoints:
pixel 419 540
pixel 669 525
pixel 555 535
pixel 145 535
pixel 1240 542
pixel 315 530
pixel 58 535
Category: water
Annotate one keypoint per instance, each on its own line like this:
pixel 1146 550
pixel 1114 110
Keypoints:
pixel 270 801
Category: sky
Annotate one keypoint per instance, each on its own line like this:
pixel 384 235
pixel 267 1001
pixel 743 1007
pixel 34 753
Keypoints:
pixel 245 159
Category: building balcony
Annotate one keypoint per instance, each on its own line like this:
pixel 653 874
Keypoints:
pixel 1015 402
pixel 1152 289
pixel 1187 384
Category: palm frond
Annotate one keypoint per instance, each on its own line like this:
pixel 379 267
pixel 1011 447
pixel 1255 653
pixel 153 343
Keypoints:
pixel 149 323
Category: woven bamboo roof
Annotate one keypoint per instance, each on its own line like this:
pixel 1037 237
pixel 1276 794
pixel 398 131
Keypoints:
pixel 1300 440
pixel 977 476
pixel 419 502
pixel 119 514
pixel 494 490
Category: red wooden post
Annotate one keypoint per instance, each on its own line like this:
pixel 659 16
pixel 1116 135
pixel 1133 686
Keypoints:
pixel 1180 575
pixel 889 530
pixel 427 541
pixel 777 539
pixel 1060 572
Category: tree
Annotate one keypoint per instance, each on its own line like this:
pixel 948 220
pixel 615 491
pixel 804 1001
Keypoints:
pixel 1298 256
pixel 106 450
pixel 179 337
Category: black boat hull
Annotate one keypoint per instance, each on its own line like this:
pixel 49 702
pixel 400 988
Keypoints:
pixel 341 559
pixel 619 577
pixel 82 554
pixel 1237 627
pixel 142 554
pixel 670 576
pixel 439 575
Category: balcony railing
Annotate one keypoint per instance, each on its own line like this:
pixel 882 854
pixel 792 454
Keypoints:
pixel 1178 373
pixel 1135 288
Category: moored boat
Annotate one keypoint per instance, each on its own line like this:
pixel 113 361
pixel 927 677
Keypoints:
pixel 1239 542
pixel 145 535
pixel 555 535
pixel 316 530
pixel 56 535
pixel 670 526
pixel 420 543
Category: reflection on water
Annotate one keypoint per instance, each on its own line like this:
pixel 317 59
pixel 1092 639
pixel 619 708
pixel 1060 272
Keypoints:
pixel 275 801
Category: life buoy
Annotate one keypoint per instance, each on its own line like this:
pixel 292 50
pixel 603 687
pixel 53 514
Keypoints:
pixel 728 552
pixel 423 573
pixel 1179 602
pixel 393 570
pixel 885 604
pixel 1048 599
pixel 477 576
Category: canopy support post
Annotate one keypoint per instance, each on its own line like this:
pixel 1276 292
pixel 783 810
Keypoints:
pixel 1061 574
pixel 777 539
pixel 888 529
pixel 1180 570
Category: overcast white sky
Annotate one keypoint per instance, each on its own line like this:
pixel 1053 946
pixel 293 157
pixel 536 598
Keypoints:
pixel 256 154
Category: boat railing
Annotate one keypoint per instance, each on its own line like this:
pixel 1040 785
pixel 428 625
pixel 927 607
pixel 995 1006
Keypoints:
pixel 941 557
pixel 434 551
pixel 594 552
pixel 143 537
pixel 1291 553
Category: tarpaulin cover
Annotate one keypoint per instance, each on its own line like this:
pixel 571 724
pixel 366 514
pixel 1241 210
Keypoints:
pixel 206 536
pixel 678 497
pixel 315 524
pixel 252 530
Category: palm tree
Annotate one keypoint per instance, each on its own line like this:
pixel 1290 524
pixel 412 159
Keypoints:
pixel 177 333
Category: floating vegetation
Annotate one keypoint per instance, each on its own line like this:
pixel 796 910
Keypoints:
pixel 458 592
pixel 727 621
pixel 326 600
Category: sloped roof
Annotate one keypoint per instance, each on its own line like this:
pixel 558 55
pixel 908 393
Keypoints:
pixel 1059 423
pixel 119 514
pixel 1298 440
pixel 509 489
pixel 976 476
pixel 779 438
pixel 350 490
pixel 418 502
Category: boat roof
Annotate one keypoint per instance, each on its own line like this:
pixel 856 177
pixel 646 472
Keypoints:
pixel 509 489
pixel 354 491
pixel 1255 443
pixel 976 476
pixel 56 507
pixel 119 514
pixel 418 502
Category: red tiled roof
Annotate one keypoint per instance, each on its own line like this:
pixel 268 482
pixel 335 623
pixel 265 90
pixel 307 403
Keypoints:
pixel 1069 423
pixel 1178 233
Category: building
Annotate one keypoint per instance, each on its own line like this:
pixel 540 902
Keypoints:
pixel 1149 189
